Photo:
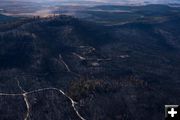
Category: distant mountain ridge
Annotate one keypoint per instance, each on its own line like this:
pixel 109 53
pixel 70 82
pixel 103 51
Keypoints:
pixel 98 2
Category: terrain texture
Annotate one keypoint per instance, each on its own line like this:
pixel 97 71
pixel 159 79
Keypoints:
pixel 118 66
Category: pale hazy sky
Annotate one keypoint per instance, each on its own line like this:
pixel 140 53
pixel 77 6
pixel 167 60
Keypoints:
pixel 94 2
pixel 110 1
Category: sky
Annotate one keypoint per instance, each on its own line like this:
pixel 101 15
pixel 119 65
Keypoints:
pixel 111 1
pixel 44 7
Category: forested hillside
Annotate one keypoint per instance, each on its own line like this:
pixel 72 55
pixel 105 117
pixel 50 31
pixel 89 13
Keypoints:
pixel 113 72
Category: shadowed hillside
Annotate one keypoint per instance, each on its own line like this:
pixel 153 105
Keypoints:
pixel 113 71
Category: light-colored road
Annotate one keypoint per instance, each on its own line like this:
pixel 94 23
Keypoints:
pixel 79 56
pixel 66 66
pixel 25 100
pixel 25 96
pixel 61 59
pixel 27 106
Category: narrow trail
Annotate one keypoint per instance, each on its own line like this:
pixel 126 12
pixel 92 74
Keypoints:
pixel 79 56
pixel 27 106
pixel 25 100
pixel 20 87
pixel 67 67
pixel 61 59
pixel 25 96
pixel 83 58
